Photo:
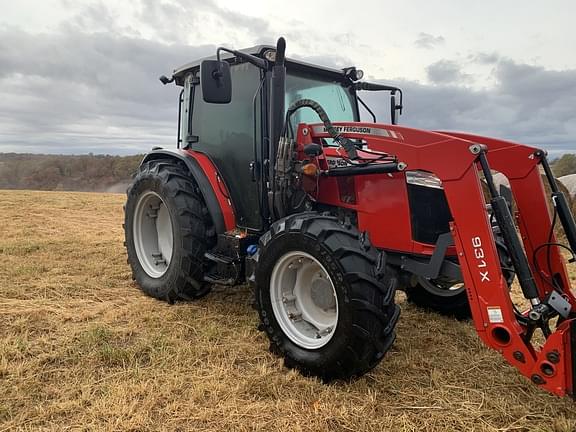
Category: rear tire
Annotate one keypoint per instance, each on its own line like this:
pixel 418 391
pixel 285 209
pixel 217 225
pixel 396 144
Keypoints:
pixel 332 289
pixel 167 232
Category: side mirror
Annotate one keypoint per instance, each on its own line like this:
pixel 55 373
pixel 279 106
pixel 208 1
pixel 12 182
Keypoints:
pixel 395 109
pixel 393 117
pixel 216 81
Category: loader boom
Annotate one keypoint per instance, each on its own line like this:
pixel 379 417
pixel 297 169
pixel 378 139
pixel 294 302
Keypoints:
pixel 456 160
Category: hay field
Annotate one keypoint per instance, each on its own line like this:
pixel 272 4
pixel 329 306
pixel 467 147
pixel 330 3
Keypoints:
pixel 81 348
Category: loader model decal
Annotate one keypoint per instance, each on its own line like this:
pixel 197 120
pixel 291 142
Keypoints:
pixel 336 162
pixel 479 255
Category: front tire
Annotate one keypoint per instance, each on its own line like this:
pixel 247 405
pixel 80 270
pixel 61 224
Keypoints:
pixel 167 232
pixel 322 302
pixel 449 298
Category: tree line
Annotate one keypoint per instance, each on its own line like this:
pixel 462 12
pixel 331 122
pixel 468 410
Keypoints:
pixel 105 173
pixel 91 173
pixel 565 165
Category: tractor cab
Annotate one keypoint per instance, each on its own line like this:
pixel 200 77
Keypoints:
pixel 235 134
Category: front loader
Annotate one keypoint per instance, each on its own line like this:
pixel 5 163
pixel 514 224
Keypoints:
pixel 275 181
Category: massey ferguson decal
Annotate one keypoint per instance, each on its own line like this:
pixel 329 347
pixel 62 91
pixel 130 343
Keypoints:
pixel 480 262
pixel 364 130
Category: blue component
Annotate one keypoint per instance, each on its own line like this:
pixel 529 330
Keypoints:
pixel 252 249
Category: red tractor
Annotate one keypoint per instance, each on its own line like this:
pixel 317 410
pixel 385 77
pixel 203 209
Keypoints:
pixel 275 181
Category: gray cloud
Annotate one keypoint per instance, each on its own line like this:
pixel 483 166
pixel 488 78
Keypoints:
pixel 78 92
pixel 428 41
pixel 446 72
pixel 485 58
pixel 179 20
pixel 333 61
pixel 529 104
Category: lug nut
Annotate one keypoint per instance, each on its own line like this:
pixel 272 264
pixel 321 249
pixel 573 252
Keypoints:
pixel 553 357
pixel 519 356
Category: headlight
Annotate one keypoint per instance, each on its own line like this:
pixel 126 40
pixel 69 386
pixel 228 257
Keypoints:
pixel 423 178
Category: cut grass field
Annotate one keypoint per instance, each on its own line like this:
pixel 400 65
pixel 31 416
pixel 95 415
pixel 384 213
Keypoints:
pixel 81 348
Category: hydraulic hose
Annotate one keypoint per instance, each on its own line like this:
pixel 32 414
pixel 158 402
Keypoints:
pixel 334 134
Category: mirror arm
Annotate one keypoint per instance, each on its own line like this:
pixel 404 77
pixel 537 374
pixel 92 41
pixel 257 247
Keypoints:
pixel 367 108
pixel 362 85
pixel 256 61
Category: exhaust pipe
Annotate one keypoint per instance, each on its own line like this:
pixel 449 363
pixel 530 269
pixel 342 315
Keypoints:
pixel 276 115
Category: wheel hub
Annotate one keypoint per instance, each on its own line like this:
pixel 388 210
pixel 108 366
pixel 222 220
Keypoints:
pixel 153 236
pixel 304 300
pixel 322 294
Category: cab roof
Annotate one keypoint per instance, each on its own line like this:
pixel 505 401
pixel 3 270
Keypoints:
pixel 258 51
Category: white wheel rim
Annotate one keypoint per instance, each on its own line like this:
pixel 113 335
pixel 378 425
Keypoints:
pixel 153 237
pixel 304 300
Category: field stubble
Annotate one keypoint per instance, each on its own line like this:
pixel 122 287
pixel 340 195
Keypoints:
pixel 81 348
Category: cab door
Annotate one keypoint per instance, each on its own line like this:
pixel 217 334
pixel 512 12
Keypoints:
pixel 230 134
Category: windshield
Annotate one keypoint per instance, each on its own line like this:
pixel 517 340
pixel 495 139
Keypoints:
pixel 331 95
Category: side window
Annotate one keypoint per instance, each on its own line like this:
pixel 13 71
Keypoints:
pixel 185 108
pixel 222 125
pixel 226 133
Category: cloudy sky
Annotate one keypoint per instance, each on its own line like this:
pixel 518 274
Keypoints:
pixel 79 76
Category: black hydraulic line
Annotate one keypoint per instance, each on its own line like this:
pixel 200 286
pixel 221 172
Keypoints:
pixel 365 169
pixel 346 144
pixel 508 231
pixel 560 202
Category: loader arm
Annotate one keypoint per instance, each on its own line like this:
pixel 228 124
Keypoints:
pixel 458 160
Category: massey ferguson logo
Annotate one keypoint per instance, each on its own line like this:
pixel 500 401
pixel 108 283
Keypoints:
pixel 352 129
pixel 364 130
pixel 480 262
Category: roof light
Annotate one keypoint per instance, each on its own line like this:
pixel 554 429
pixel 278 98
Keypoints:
pixel 165 80
pixel 353 73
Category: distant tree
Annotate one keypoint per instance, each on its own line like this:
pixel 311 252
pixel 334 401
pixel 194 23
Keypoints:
pixel 58 172
pixel 565 165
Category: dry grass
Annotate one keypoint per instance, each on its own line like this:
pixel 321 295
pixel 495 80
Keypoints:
pixel 82 348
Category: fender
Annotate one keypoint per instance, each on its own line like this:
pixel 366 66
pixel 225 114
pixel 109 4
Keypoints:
pixel 209 182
